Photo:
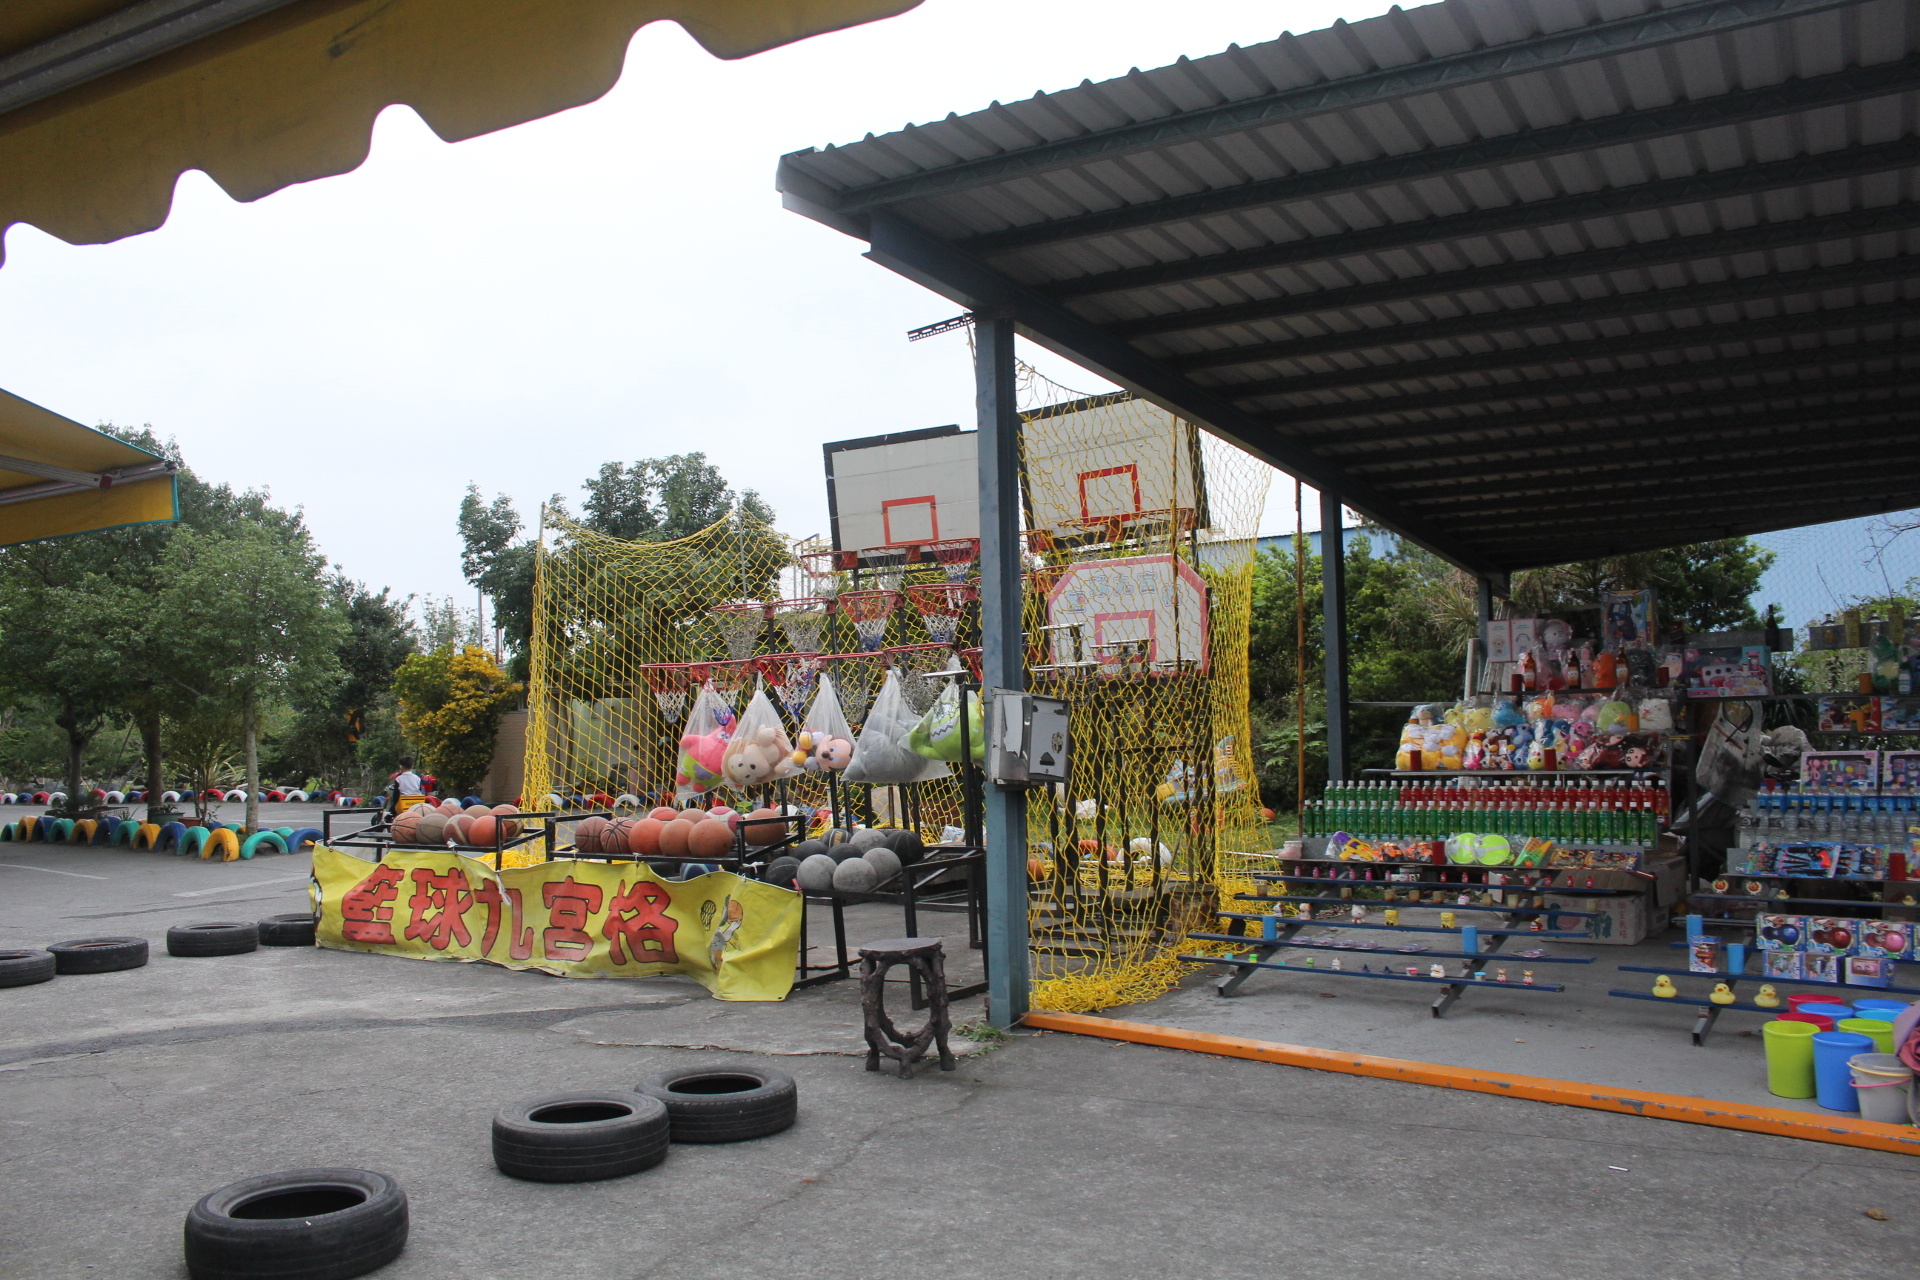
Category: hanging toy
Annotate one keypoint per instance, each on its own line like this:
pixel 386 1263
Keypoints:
pixel 1664 988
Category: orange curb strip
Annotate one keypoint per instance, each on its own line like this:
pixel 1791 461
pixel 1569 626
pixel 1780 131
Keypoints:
pixel 1569 1093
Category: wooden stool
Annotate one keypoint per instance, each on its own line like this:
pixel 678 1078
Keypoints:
pixel 925 958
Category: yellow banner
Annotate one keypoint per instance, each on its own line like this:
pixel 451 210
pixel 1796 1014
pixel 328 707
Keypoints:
pixel 738 938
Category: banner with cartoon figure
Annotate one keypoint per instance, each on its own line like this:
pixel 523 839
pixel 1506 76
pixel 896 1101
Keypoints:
pixel 738 938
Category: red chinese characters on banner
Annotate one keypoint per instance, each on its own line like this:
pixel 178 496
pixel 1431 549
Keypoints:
pixel 569 903
pixel 519 939
pixel 439 905
pixel 365 913
pixel 638 919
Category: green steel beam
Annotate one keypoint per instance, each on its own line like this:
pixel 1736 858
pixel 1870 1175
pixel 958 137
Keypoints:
pixel 1688 297
pixel 1836 89
pixel 1703 20
pixel 1607 203
pixel 1763 237
pixel 1662 340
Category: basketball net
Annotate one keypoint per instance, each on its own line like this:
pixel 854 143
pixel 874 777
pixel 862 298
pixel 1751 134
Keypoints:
pixel 914 663
pixel 729 678
pixel 670 684
pixel 868 612
pixel 791 677
pixel 955 556
pixel 804 619
pixel 940 605
pixel 740 622
pixel 856 678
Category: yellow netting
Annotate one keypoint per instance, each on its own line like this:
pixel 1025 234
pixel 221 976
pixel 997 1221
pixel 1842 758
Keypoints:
pixel 1142 539
pixel 1140 547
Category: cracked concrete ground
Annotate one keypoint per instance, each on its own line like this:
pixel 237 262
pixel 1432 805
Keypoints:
pixel 124 1097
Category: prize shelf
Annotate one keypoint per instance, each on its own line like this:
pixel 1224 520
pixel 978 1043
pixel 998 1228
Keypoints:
pixel 1709 1013
pixel 1339 882
pixel 1277 934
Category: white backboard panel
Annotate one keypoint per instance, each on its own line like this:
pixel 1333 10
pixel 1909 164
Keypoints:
pixel 1105 462
pixel 916 486
pixel 1155 601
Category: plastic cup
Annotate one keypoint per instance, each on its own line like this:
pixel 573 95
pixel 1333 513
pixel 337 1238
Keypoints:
pixel 1881 1033
pixel 1878 1015
pixel 1883 1084
pixel 1813 1020
pixel 1790 1058
pixel 1895 1007
pixel 1832 1077
pixel 1828 1009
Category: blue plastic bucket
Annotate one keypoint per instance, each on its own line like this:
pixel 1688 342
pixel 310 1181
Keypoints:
pixel 1835 1010
pixel 1832 1077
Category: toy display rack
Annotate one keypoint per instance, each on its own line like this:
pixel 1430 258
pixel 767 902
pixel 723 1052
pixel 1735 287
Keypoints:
pixel 1709 1013
pixel 1279 933
pixel 1857 904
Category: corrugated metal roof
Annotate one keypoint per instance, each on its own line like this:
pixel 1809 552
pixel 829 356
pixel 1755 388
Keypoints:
pixel 1527 280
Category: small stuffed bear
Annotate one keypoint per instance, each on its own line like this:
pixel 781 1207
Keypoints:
pixel 752 760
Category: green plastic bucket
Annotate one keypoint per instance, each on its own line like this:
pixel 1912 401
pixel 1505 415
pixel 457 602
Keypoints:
pixel 1790 1058
pixel 1881 1033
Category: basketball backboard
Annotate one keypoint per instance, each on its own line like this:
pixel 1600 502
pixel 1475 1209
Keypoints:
pixel 1094 468
pixel 903 489
pixel 1149 610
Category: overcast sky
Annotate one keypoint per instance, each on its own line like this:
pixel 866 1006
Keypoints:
pixel 617 281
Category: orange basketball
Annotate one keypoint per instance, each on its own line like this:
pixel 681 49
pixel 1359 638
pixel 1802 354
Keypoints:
pixel 710 839
pixel 457 828
pixel 476 810
pixel 644 839
pixel 673 839
pixel 663 814
pixel 406 827
pixel 482 830
pixel 588 835
pixel 759 830
pixel 691 815
pixel 433 828
pixel 618 837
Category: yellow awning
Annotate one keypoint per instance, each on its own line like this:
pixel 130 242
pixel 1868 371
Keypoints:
pixel 58 477
pixel 104 103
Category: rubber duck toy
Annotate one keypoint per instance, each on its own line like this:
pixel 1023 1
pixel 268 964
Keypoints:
pixel 1722 994
pixel 1768 997
pixel 1664 988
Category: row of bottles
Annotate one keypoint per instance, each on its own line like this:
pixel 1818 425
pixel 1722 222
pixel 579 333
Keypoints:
pixel 1560 792
pixel 1868 819
pixel 1618 819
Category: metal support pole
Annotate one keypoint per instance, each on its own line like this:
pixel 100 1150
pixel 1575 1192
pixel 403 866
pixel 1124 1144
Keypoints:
pixel 1333 596
pixel 1002 660
pixel 1485 601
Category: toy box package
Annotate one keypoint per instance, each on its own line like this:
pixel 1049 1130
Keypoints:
pixel 1828 770
pixel 1829 936
pixel 1703 955
pixel 1816 968
pixel 1900 770
pixel 1850 715
pixel 1866 971
pixel 1885 939
pixel 1779 933
pixel 1736 671
pixel 1782 964
pixel 1900 715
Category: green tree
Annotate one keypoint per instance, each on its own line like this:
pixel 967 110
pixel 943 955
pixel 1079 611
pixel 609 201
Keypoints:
pixel 451 701
pixel 338 731
pixel 255 620
pixel 652 500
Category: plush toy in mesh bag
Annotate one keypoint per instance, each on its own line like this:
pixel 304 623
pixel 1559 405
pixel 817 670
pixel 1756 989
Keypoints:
pixel 759 751
pixel 937 736
pixel 826 740
pixel 882 755
pixel 710 726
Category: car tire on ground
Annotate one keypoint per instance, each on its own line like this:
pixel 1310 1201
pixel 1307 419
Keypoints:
pixel 580 1137
pixel 305 1224
pixel 98 955
pixel 26 967
pixel 223 938
pixel 293 930
pixel 733 1104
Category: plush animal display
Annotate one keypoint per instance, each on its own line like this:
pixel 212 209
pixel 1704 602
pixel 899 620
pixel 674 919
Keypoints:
pixel 1476 753
pixel 829 752
pixel 755 758
pixel 700 758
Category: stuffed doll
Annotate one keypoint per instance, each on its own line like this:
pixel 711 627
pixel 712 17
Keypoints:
pixel 1537 750
pixel 1617 717
pixel 755 758
pixel 1477 719
pixel 1605 671
pixel 832 753
pixel 1446 742
pixel 700 760
pixel 1656 715
pixel 1507 714
pixel 1579 734
pixel 1476 753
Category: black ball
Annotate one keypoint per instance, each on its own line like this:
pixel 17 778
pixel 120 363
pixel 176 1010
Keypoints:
pixel 836 835
pixel 807 848
pixel 781 871
pixel 907 847
pixel 844 852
